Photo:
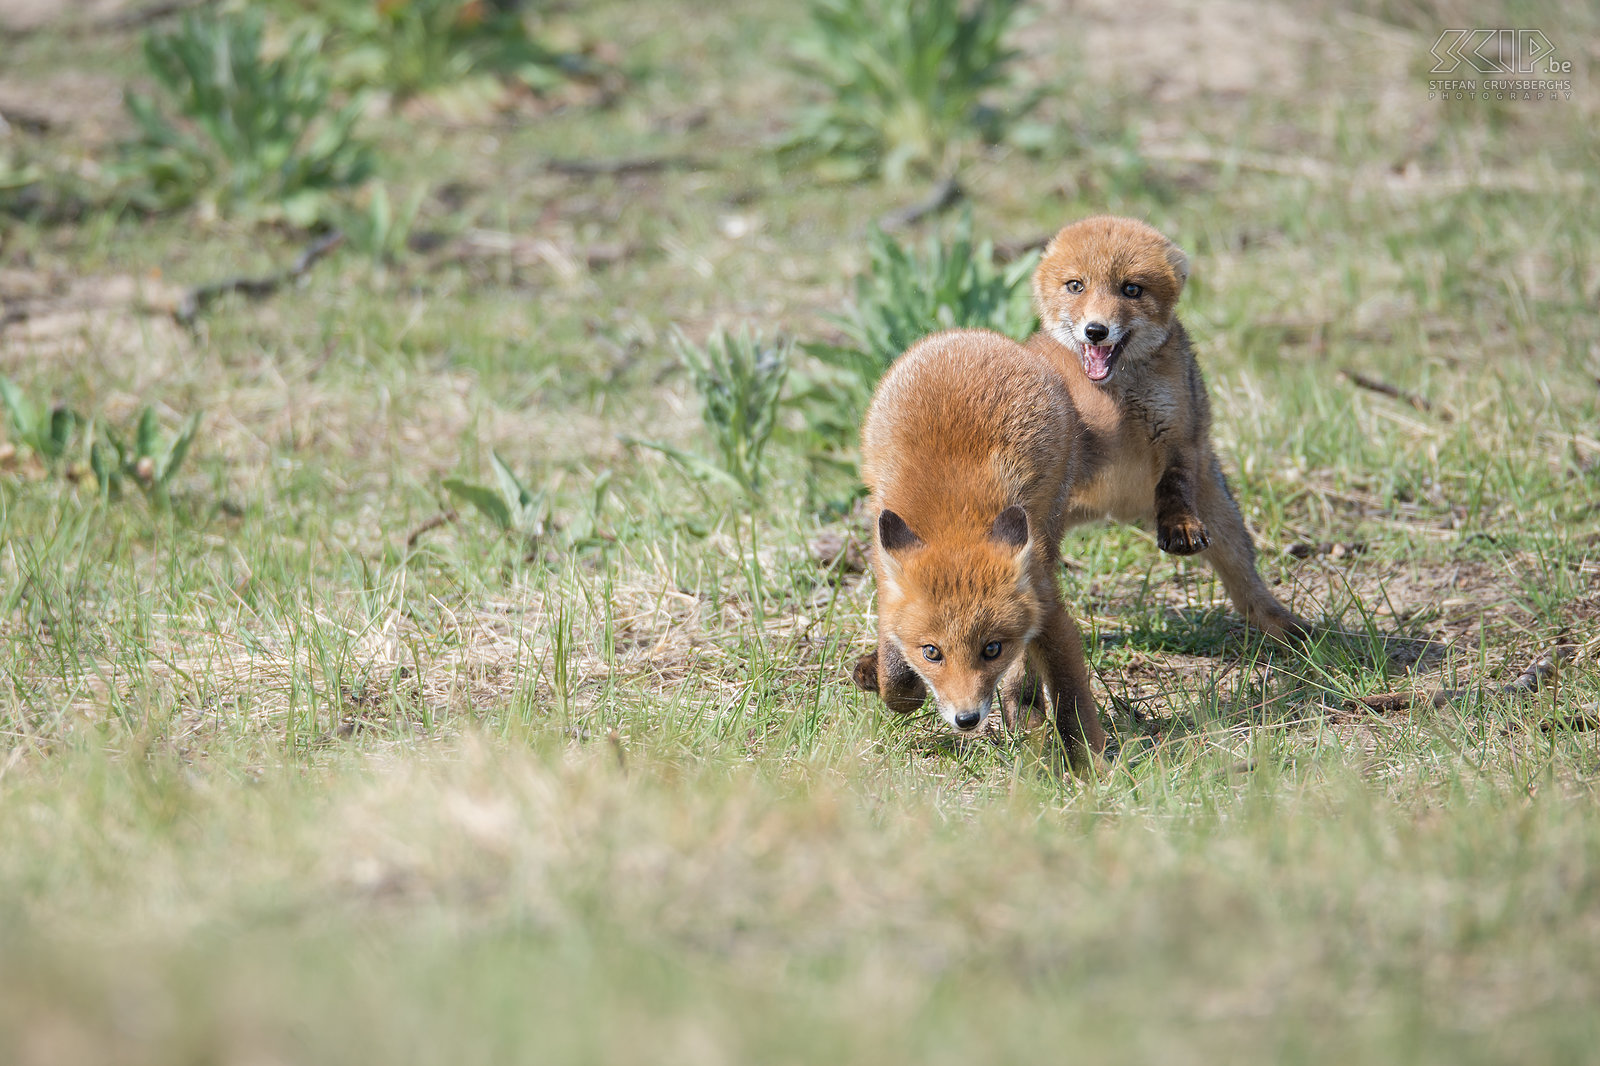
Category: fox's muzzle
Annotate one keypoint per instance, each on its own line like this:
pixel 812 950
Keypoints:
pixel 966 718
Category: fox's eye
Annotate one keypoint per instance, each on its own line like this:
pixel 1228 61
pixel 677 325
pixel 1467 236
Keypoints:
pixel 932 653
pixel 991 650
pixel 1074 285
pixel 1132 291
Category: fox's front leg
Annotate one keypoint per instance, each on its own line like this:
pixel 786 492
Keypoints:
pixel 885 672
pixel 1022 697
pixel 1179 529
pixel 1057 654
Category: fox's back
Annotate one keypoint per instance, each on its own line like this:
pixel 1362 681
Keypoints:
pixel 965 424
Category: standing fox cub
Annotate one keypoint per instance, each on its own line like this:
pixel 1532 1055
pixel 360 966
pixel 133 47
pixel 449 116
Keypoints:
pixel 1106 290
pixel 970 450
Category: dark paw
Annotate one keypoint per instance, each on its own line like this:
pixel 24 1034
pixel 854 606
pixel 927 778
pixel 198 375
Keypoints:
pixel 865 672
pixel 1186 536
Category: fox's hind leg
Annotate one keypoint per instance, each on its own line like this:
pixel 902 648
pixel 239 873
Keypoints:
pixel 885 672
pixel 1233 556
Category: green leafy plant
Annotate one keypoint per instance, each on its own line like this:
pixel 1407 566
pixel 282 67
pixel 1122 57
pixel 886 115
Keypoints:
pixel 740 381
pixel 905 81
pixel 17 178
pixel 381 228
pixel 47 433
pixel 508 503
pixel 902 297
pixel 151 462
pixel 415 46
pixel 515 509
pixel 255 134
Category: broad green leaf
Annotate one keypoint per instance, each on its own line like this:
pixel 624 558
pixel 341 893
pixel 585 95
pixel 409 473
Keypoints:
pixel 693 465
pixel 168 465
pixel 485 499
pixel 62 423
pixel 18 408
pixel 515 493
pixel 147 438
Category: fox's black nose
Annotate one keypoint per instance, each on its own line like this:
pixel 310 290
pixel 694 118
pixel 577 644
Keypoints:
pixel 969 720
pixel 1096 332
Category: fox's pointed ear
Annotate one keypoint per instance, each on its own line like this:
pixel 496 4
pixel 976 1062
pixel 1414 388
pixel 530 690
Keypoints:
pixel 1011 528
pixel 1179 263
pixel 894 534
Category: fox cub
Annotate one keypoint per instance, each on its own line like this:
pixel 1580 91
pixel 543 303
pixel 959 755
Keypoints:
pixel 970 451
pixel 1106 290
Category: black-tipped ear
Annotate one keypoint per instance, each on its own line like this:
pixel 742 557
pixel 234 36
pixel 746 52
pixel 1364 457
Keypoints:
pixel 894 534
pixel 1011 528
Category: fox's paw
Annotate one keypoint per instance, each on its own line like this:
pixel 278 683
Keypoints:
pixel 1281 625
pixel 865 672
pixel 1184 536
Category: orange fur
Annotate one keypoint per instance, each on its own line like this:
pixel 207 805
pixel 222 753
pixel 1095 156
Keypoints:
pixel 1132 376
pixel 970 452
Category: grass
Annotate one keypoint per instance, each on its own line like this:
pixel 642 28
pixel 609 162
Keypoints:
pixel 292 773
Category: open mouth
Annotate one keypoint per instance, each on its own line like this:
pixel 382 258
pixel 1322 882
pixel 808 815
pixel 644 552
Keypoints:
pixel 1097 358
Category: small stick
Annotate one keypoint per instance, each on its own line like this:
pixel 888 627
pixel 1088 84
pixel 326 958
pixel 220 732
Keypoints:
pixel 196 299
pixel 1530 680
pixel 1584 720
pixel 1540 670
pixel 31 121
pixel 945 195
pixel 592 168
pixel 1384 388
pixel 1243 766
pixel 430 523
pixel 130 20
pixel 126 20
pixel 1389 702
pixel 1006 251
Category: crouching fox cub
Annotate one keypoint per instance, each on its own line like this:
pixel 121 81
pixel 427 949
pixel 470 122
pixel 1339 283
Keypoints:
pixel 1106 292
pixel 970 451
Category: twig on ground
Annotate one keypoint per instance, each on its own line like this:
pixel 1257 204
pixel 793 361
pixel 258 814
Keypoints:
pixel 1410 178
pixel 945 195
pixel 1584 720
pixel 1530 680
pixel 196 299
pixel 1391 702
pixel 1243 766
pixel 1331 548
pixel 432 522
pixel 1540 670
pixel 1384 388
pixel 142 16
pixel 1006 251
pixel 593 168
pixel 121 20
pixel 13 117
pixel 527 251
